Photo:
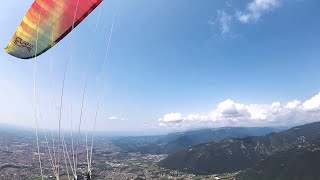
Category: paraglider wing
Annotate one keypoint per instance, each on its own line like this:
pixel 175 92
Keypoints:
pixel 46 23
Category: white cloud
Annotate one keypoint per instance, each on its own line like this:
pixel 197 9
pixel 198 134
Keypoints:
pixel 171 117
pixel 257 111
pixel 253 11
pixel 312 104
pixel 256 9
pixel 230 113
pixel 293 104
pixel 224 20
pixel 229 108
pixel 177 118
pixel 116 118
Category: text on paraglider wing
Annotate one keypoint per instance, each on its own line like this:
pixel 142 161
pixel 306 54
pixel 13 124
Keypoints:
pixel 23 44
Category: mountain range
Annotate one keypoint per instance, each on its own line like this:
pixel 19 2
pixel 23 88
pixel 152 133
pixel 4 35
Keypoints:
pixel 173 142
pixel 299 162
pixel 236 154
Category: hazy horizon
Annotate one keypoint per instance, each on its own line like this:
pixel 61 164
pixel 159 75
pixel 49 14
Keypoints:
pixel 115 133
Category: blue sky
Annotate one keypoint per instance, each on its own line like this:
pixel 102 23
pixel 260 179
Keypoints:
pixel 175 65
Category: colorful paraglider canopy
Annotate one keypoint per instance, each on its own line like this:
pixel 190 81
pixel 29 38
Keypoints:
pixel 46 23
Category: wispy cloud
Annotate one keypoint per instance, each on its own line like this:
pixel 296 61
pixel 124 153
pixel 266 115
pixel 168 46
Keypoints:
pixel 256 9
pixel 224 20
pixel 230 113
pixel 252 12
